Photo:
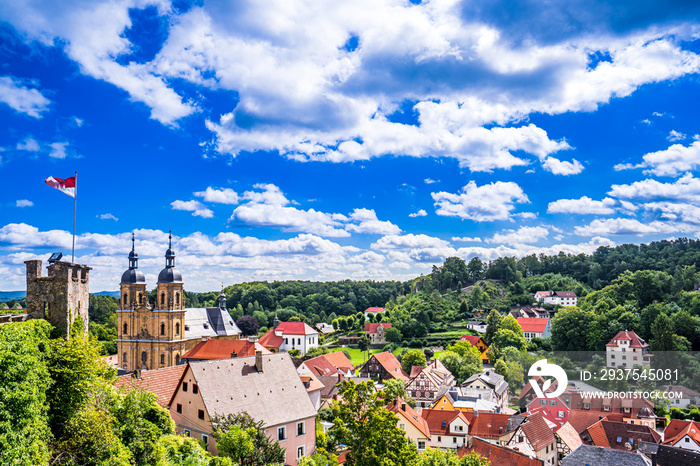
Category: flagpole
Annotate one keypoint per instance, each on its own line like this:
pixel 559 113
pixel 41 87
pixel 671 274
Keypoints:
pixel 75 201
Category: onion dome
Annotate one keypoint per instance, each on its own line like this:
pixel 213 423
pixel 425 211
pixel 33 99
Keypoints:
pixel 645 411
pixel 133 274
pixel 169 274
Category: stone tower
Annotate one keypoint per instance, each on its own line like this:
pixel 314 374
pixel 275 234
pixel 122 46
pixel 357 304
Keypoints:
pixel 62 296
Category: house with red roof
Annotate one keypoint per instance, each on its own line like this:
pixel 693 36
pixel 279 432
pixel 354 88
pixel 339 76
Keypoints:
pixel 427 381
pixel 683 434
pixel 383 366
pixel 486 425
pixel 416 427
pixel 448 429
pixel 375 332
pixel 286 336
pixel 373 310
pixel 480 344
pixel 619 435
pixel 555 410
pixel 535 327
pixel 561 298
pixel 223 349
pixel 535 435
pixel 330 364
pixel 161 382
pixel 627 349
pixel 498 455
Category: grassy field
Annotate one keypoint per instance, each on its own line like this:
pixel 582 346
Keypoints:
pixel 358 357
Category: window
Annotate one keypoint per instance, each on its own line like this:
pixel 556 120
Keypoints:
pixel 421 445
pixel 140 298
pixel 178 408
pixel 586 406
pixel 205 439
pixel 162 299
pixel 177 298
pixel 124 357
pixel 544 402
pixel 281 434
pixel 177 359
pixel 300 452
pixel 454 439
pixel 560 413
pixel 162 358
pixel 125 329
pixel 553 402
pixel 200 414
pixel 144 356
pixel 184 386
pixel 439 439
pixel 177 328
pixel 188 433
pixel 195 389
pixel 126 298
pixel 300 428
pixel 162 329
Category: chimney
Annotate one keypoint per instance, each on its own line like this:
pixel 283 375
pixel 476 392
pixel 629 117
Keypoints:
pixel 205 338
pixel 234 354
pixel 252 339
pixel 476 413
pixel 258 360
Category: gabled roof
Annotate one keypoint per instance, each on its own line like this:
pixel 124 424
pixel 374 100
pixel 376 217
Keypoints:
pixel 687 392
pixel 275 396
pixel 568 435
pixel 390 364
pixel 666 455
pixel 223 349
pixel 439 420
pixel 498 455
pixel 435 371
pixel 677 429
pixel 533 324
pixel 598 456
pixel 160 382
pixel 582 419
pixel 496 381
pixel 487 425
pixel 208 322
pixel 616 405
pixel 371 327
pixel 270 340
pixel 311 382
pixel 633 338
pixel 295 328
pixel 616 435
pixel 537 432
pixel 473 339
pixel 402 409
pixel 330 385
pixel 339 360
pixel 375 309
pixel 320 366
pixel 565 294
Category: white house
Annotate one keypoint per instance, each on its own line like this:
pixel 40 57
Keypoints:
pixel 286 336
pixel 562 298
pixel 627 349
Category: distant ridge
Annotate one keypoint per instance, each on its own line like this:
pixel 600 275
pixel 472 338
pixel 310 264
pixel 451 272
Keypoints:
pixel 108 293
pixel 8 295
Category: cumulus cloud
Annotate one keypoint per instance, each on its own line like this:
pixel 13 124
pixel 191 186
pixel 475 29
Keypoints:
pixel 220 196
pixel 24 203
pixel 290 219
pixel 270 194
pixel 21 98
pixel 108 217
pixel 58 150
pixel 685 188
pixel 674 136
pixel 429 181
pixel 412 247
pixel 367 222
pixel 559 167
pixel 584 205
pixel 420 213
pixel 197 208
pixel 523 235
pixel 29 145
pixel 467 239
pixel 485 203
pixel 629 226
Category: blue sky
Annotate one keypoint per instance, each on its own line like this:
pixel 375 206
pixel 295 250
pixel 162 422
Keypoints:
pixel 364 140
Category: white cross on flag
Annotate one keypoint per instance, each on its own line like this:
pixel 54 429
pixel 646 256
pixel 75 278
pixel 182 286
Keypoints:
pixel 66 186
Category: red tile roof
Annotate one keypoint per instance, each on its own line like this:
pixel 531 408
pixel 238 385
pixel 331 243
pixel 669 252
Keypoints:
pixel 678 429
pixel 538 432
pixel 295 328
pixel 320 366
pixel 533 324
pixel 160 382
pixel 339 360
pixel 270 340
pixel 375 309
pixel 635 341
pixel 390 364
pixel 615 435
pixel 582 419
pixel 436 417
pixel 221 349
pixel 497 455
pixel 372 327
pixel 472 339
pixel 487 425
pixel 401 408
pixel 312 382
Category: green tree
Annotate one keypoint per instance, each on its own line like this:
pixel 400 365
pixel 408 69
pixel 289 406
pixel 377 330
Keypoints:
pixel 435 457
pixel 368 429
pixel 241 438
pixel 363 344
pixel 493 322
pixel 570 329
pixel 510 323
pixel 393 335
pixel 177 450
pixel 663 332
pixel 475 270
pixel 505 337
pixel 393 389
pixel 410 358
pixel 477 297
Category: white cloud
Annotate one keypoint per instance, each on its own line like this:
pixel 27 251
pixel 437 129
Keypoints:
pixel 674 136
pixel 467 239
pixel 58 150
pixel 369 223
pixel 675 211
pixel 420 213
pixel 489 202
pixel 429 181
pixel 685 188
pixel 270 194
pixel 628 226
pixel 523 235
pixel 220 196
pixel 197 208
pixel 24 203
pixel 108 217
pixel 21 98
pixel 559 167
pixel 290 219
pixel 524 215
pixel 29 145
pixel 674 160
pixel 584 205
pixel 411 247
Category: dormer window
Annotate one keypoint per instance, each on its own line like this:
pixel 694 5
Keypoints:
pixel 206 325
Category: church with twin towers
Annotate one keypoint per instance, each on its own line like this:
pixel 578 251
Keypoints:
pixel 153 335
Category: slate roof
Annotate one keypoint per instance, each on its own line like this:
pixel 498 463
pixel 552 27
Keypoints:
pixel 670 456
pixel 439 420
pixel 160 382
pixel 401 408
pixel 537 432
pixel 496 381
pixel 208 322
pixel 635 340
pixel 275 396
pixel 598 456
pixel 372 327
pixel 223 349
pixel 532 324
pixel 498 455
pixel 295 328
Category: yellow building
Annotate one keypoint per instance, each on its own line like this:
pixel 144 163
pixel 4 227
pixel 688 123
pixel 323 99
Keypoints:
pixel 152 336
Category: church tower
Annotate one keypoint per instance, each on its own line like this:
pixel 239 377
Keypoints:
pixel 169 292
pixel 133 284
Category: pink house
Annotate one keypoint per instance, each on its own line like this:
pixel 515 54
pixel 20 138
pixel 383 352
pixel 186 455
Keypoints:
pixel 265 386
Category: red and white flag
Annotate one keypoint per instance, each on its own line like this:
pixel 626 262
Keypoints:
pixel 66 186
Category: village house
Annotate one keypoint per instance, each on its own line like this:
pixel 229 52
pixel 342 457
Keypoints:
pixel 632 410
pixel 426 382
pixel 223 349
pixel 478 343
pixel 689 396
pixel 416 427
pixel 487 426
pixel 313 387
pixel 555 410
pixel 561 298
pixel 568 440
pixel 683 434
pixel 535 435
pixel 383 366
pixel 477 325
pixel 375 331
pixel 498 455
pixel 287 336
pixel 535 327
pixel 491 381
pixel 374 311
pixel 627 349
pixel 448 429
pixel 529 312
pixel 265 386
pixel 328 365
pixel 619 435
pixel 466 399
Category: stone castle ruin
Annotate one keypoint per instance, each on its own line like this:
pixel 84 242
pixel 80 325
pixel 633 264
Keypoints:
pixel 60 297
